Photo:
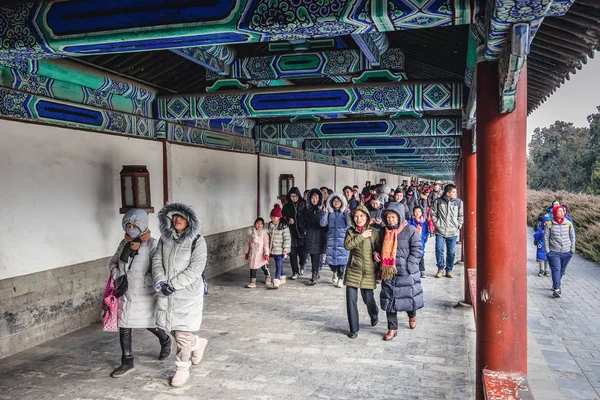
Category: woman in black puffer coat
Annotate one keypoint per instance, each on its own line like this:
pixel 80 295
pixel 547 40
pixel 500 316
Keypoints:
pixel 401 288
pixel 316 235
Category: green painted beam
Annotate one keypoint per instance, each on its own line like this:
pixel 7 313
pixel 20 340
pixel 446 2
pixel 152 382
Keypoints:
pixel 315 100
pixel 429 142
pixel 361 128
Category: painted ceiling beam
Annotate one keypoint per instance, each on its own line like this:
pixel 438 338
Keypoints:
pixel 510 65
pixel 383 143
pixel 314 100
pixel 359 128
pixel 55 28
pixel 217 58
pixel 441 152
pixel 504 14
pixel 372 45
pixel 331 63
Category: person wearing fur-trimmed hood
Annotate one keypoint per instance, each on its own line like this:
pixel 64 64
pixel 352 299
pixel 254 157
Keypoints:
pixel 337 223
pixel 132 262
pixel 315 233
pixel 177 268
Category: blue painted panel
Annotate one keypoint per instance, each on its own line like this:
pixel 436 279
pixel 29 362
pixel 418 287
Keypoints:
pixel 383 142
pixel 353 127
pixel 282 151
pixel 395 151
pixel 151 44
pixel 63 112
pixel 289 100
pixel 89 16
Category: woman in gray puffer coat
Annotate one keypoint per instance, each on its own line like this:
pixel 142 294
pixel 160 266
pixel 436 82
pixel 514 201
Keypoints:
pixel 133 262
pixel 177 268
pixel 399 251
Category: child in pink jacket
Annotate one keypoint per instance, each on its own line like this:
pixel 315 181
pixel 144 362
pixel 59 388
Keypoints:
pixel 257 252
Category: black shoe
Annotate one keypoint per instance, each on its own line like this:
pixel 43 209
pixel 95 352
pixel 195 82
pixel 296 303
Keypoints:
pixel 165 349
pixel 556 293
pixel 313 282
pixel 353 335
pixel 423 274
pixel 125 367
pixel 375 321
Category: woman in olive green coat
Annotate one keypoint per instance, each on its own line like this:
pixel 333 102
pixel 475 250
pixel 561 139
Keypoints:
pixel 360 274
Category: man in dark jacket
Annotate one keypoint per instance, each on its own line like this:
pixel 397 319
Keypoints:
pixel 447 217
pixel 350 198
pixel 315 233
pixel 376 210
pixel 294 215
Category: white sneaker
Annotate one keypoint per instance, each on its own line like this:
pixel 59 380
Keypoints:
pixel 181 374
pixel 294 277
pixel 340 283
pixel 282 279
pixel 275 283
pixel 334 279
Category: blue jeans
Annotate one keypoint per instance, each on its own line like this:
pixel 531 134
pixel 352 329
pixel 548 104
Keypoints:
pixel 278 265
pixel 558 265
pixel 450 244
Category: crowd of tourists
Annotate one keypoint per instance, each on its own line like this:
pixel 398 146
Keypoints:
pixel 367 237
pixel 554 237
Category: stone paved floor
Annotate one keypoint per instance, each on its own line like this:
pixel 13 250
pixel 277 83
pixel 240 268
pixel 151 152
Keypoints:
pixel 564 334
pixel 265 344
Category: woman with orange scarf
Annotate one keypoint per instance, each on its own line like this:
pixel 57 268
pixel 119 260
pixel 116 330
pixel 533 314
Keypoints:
pixel 400 254
pixel 132 263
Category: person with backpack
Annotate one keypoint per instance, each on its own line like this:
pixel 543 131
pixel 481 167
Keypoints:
pixel 538 241
pixel 131 269
pixel 335 219
pixel 177 269
pixel 559 243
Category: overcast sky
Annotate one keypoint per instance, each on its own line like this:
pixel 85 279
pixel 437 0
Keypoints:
pixel 572 102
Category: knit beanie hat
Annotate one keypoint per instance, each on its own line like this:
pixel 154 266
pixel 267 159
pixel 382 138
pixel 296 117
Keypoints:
pixel 276 211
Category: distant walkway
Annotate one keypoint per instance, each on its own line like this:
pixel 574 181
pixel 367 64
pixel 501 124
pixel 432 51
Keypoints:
pixel 564 334
pixel 266 344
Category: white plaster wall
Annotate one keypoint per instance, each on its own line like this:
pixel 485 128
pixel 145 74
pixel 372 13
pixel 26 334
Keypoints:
pixel 345 177
pixel 320 175
pixel 60 194
pixel 219 185
pixel 270 169
pixel 360 177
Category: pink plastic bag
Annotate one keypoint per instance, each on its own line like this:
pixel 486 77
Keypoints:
pixel 110 307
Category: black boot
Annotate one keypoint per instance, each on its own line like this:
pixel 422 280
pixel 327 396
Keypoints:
pixel 127 351
pixel 315 278
pixel 165 342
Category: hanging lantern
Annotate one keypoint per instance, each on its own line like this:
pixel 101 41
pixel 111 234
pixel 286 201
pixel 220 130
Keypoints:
pixel 135 188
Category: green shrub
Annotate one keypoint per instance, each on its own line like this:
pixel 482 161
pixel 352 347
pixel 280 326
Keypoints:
pixel 585 211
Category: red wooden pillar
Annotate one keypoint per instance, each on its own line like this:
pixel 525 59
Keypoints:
pixel 469 197
pixel 501 228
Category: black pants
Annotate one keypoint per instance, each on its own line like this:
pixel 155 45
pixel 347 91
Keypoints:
pixel 422 264
pixel 315 261
pixel 338 270
pixel 352 306
pixel 254 271
pixel 295 253
pixel 392 318
pixel 126 340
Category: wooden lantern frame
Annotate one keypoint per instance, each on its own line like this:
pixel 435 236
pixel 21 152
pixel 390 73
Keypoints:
pixel 135 172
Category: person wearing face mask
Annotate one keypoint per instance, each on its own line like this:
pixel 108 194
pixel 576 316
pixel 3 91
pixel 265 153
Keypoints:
pixel 399 251
pixel 559 243
pixel 315 233
pixel 177 268
pixel 137 305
